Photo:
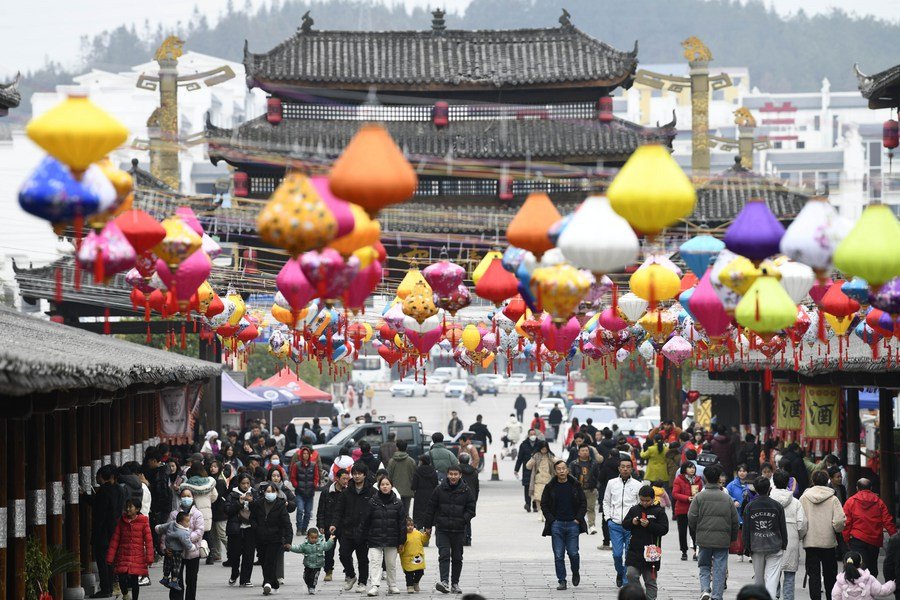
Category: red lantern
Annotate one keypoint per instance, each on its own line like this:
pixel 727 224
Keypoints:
pixel 241 184
pixel 140 229
pixel 274 110
pixel 836 302
pixel 605 109
pixel 515 309
pixel 250 267
pixel 505 191
pixel 440 114
pixel 891 134
pixel 497 284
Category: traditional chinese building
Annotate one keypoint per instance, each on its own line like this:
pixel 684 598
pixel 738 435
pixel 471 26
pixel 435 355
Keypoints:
pixel 9 96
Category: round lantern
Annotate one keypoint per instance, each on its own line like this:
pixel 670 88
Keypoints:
pixel 651 191
pixel 797 279
pixel 890 136
pixel 471 338
pixel 654 283
pixel 496 284
pixel 444 277
pixel 77 132
pixel 329 273
pixel 766 308
pixel 372 171
pixel 814 234
pixel 559 289
pixel 419 303
pixel 872 248
pixel 295 217
pixel 698 251
pixel 529 228
pixel 755 233
pixel 598 239
pixel 106 253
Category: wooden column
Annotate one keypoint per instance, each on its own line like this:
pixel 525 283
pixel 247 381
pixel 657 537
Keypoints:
pixel 766 399
pixel 109 422
pixel 753 401
pixel 55 499
pixel 37 477
pixel 886 446
pixel 126 428
pixel 115 431
pixel 743 390
pixel 149 418
pixel 90 458
pixel 15 437
pixel 138 420
pixel 852 423
pixel 4 511
pixel 670 401
pixel 76 429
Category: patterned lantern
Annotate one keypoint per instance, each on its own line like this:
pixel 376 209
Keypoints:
pixel 755 233
pixel 497 284
pixel 887 297
pixel 457 300
pixel 698 251
pixel 106 253
pixel 444 277
pixel 77 132
pixel 659 324
pixel 813 236
pixel 858 289
pixel 880 321
pixel 409 282
pixel 141 230
pixel 419 303
pixel 529 228
pixel 739 275
pixel 365 283
pixel 654 283
pixel 611 320
pixel 651 191
pixel 559 290
pixel 677 349
pixel 180 242
pixel 329 273
pixel 372 171
pixel 53 193
pixel 766 308
pixel 296 218
pixel 872 248
pixel 598 239
pixel 727 296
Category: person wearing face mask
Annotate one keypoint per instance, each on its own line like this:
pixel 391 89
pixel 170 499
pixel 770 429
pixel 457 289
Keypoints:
pixel 384 528
pixel 272 532
pixel 287 494
pixel 241 546
pixel 203 491
pixel 274 463
pixel 190 562
pixel 526 449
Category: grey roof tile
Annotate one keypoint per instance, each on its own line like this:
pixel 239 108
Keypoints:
pixel 882 90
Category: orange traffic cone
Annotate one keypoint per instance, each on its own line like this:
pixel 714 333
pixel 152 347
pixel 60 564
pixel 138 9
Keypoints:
pixel 495 470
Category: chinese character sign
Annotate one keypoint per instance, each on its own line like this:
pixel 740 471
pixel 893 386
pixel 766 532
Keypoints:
pixel 821 412
pixel 788 413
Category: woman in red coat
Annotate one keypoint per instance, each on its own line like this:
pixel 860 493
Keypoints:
pixel 131 548
pixel 687 485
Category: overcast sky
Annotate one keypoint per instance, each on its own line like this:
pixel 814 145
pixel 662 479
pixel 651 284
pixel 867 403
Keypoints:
pixel 34 30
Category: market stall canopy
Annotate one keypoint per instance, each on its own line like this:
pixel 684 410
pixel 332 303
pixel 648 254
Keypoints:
pixel 288 379
pixel 236 397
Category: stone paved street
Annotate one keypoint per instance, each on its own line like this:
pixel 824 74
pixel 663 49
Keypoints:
pixel 508 558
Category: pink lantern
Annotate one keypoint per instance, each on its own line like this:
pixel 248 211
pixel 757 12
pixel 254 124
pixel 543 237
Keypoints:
pixel 329 273
pixel 424 341
pixel 294 285
pixel 489 341
pixel 609 319
pixel 819 289
pixel 444 277
pixel 559 339
pixel 365 283
pixel 340 209
pixel 190 219
pixel 457 300
pixel 677 349
pixel 210 246
pixel 106 253
pixel 707 308
pixel 138 281
pixel 192 272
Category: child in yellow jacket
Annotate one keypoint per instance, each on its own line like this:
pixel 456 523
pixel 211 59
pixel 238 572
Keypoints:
pixel 412 556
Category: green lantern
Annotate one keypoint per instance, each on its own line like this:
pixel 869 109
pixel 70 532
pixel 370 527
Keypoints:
pixel 766 308
pixel 871 250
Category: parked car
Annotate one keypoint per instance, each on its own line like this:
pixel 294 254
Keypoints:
pixel 517 379
pixel 484 384
pixel 641 427
pixel 408 389
pixel 455 388
pixel 376 434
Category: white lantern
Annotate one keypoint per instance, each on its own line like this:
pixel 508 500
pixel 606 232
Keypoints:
pixel 814 234
pixel 598 239
pixel 647 351
pixel 728 297
pixel 797 279
pixel 632 307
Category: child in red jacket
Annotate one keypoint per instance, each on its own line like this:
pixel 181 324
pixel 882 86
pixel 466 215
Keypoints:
pixel 131 549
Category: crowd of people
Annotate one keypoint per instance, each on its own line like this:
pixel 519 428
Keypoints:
pixel 727 495
pixel 241 502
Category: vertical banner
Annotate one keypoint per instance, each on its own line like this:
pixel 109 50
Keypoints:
pixel 822 414
pixel 788 412
pixel 176 413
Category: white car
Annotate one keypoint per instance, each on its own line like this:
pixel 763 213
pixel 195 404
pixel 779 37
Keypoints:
pixel 641 427
pixel 546 405
pixel 601 415
pixel 517 379
pixel 455 388
pixel 408 389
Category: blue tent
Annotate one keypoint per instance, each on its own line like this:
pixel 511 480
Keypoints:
pixel 236 397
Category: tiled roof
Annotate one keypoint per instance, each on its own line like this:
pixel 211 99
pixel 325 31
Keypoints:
pixel 574 140
pixel 722 197
pixel 9 94
pixel 442 59
pixel 882 90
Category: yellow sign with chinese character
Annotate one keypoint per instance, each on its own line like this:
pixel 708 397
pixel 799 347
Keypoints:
pixel 788 413
pixel 821 412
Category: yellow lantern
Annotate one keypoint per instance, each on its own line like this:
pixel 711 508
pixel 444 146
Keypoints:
pixel 658 323
pixel 283 315
pixel 412 277
pixel 654 283
pixel 295 217
pixel 366 255
pixel 369 333
pixel 419 303
pixel 651 191
pixel 559 290
pixel 840 325
pixel 484 264
pixel 77 132
pixel 766 308
pixel 180 242
pixel 739 275
pixel 205 295
pixel 471 337
pixel 240 309
pixel 366 232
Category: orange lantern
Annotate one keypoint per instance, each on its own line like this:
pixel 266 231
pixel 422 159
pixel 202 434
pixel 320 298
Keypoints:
pixel 529 228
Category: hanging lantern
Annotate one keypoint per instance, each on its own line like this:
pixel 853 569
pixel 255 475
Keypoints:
pixel 440 114
pixel 296 218
pixel 840 325
pixel 813 236
pixel 766 308
pixel 53 193
pixel 755 233
pixel 887 297
pixel 106 253
pixel 363 285
pixel 471 338
pixel 419 303
pixel 598 239
pixel 797 279
pixel 180 242
pixel 514 309
pixel 605 109
pixel 836 302
pixel 77 132
pixel 496 284
pixel 857 289
pixel 872 248
pixel 241 182
pixel 698 251
pixel 185 280
pixel 880 321
pixel 651 191
pixel 890 136
pixel 632 306
pixel 444 277
pixel 274 110
pixel 366 232
pixel 677 350
pixel 728 297
pixel 529 228
pixel 141 230
pixel 707 309
pixel 329 273
pixel 559 289
pixel 739 275
pixel 372 171
pixel 659 324
pixel 294 286
pixel 455 301
pixel 485 262
pixel 654 283
pixel 409 282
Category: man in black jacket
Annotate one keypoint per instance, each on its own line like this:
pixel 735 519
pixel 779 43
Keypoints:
pixel 648 524
pixel 520 406
pixel 564 506
pixel 367 458
pixel 157 475
pixel 451 508
pixel 586 471
pixel 349 511
pixel 106 510
pixel 328 499
pixel 470 478
pixel 765 536
pixel 481 433
pixel 526 449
